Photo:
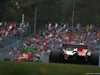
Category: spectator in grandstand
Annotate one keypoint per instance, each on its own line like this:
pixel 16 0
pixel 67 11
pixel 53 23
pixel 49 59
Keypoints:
pixel 10 27
pixel 78 26
pixel 64 26
pixel 49 25
pixel 56 25
pixel 67 25
pixel 27 28
pixel 0 24
pixel 87 28
pixel 90 27
pixel 93 27
pixel 98 33
pixel 5 26
pixel 98 26
pixel 45 28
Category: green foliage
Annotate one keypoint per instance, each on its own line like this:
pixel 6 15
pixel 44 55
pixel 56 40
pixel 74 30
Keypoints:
pixel 86 11
pixel 7 12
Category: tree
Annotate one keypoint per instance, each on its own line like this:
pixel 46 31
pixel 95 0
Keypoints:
pixel 86 11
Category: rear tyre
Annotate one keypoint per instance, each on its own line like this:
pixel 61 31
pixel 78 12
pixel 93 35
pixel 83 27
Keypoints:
pixel 6 59
pixel 94 58
pixel 55 56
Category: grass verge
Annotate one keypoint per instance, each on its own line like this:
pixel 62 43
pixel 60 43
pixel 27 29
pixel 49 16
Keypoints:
pixel 33 68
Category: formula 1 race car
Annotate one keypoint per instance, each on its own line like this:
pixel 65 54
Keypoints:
pixel 27 57
pixel 73 53
pixel 24 57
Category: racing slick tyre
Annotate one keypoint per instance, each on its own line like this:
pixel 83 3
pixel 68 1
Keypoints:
pixel 94 58
pixel 24 59
pixel 55 56
pixel 6 59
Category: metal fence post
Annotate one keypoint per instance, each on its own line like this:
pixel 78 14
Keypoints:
pixel 35 19
pixel 73 16
pixel 21 35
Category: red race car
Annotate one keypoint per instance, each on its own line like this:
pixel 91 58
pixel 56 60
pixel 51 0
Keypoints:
pixel 73 53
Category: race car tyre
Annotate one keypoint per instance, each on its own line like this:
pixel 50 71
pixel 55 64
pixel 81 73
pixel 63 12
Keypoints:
pixel 6 59
pixel 31 60
pixel 94 58
pixel 24 59
pixel 55 56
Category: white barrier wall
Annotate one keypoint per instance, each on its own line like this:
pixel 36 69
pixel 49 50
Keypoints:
pixel 12 56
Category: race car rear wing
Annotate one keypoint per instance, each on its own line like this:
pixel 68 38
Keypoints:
pixel 75 46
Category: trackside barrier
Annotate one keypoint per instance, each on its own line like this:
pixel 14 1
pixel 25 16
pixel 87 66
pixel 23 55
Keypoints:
pixel 11 56
pixel 8 48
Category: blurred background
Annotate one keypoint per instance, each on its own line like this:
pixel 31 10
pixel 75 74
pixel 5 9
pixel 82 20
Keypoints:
pixel 85 11
pixel 30 19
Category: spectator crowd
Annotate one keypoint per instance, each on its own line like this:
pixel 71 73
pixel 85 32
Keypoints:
pixel 12 30
pixel 53 36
